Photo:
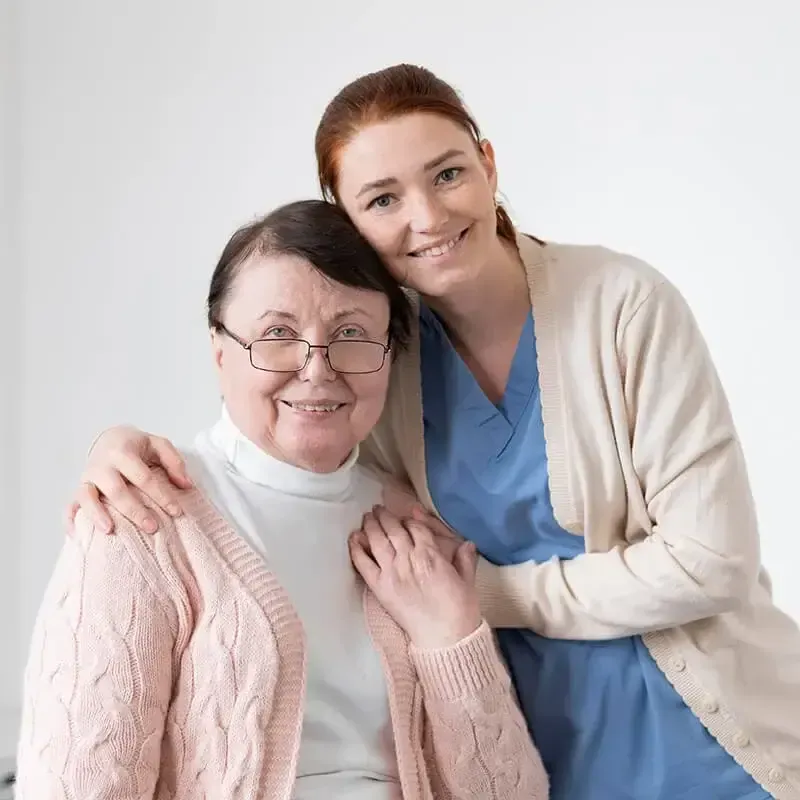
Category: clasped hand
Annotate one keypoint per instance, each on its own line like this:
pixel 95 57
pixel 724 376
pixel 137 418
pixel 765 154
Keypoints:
pixel 422 574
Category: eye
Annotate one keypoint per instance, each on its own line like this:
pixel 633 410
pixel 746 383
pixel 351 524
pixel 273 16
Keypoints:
pixel 449 174
pixel 381 201
pixel 350 332
pixel 279 332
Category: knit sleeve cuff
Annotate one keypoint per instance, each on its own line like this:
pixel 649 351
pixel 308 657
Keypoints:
pixel 464 669
pixel 505 594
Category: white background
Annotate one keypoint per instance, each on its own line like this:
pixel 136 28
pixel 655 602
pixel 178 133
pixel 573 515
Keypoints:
pixel 136 136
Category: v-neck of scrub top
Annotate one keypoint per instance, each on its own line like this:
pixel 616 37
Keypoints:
pixel 607 721
pixel 460 394
pixel 473 446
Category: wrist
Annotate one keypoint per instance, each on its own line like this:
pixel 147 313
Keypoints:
pixel 441 638
pixel 466 669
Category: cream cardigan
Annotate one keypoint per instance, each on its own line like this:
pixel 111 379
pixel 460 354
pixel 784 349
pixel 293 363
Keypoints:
pixel 645 464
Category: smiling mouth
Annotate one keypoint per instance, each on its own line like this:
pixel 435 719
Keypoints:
pixel 314 408
pixel 440 249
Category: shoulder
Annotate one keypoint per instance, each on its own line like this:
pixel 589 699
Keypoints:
pixel 597 265
pixel 159 561
pixel 592 279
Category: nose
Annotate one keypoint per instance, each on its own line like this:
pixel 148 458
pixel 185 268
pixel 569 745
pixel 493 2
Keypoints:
pixel 427 213
pixel 317 369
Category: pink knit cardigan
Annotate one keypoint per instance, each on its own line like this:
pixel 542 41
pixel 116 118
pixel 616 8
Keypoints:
pixel 173 667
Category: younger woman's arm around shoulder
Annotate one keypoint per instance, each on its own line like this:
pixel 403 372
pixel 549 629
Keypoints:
pixel 121 461
pixel 99 674
pixel 476 741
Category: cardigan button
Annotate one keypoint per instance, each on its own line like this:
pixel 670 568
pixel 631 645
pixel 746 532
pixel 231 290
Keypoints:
pixel 775 775
pixel 678 664
pixel 711 705
pixel 741 739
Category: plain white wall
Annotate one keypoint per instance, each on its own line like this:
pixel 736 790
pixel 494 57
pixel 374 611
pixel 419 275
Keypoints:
pixel 150 130
pixel 10 302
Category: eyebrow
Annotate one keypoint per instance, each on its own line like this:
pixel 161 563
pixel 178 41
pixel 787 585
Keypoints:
pixel 271 312
pixel 382 183
pixel 341 314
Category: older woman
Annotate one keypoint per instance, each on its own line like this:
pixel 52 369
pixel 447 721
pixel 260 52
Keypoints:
pixel 235 654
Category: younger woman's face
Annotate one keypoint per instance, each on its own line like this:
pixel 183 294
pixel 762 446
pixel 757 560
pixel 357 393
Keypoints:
pixel 421 191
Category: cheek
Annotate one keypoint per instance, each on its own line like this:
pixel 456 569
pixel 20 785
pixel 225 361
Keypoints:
pixel 476 200
pixel 370 401
pixel 385 233
pixel 250 390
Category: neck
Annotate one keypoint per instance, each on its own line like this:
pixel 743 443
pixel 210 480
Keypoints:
pixel 322 463
pixel 318 463
pixel 491 306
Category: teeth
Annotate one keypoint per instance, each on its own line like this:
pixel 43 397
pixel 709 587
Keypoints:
pixel 439 250
pixel 319 407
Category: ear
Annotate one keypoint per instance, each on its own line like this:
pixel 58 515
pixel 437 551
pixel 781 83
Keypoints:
pixel 489 164
pixel 216 348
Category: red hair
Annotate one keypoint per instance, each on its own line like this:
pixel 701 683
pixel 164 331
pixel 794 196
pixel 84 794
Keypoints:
pixel 381 96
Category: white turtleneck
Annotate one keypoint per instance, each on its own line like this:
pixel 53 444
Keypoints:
pixel 299 521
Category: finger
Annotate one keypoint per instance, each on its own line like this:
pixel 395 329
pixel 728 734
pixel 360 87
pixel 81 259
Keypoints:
pixel 172 461
pixel 120 496
pixel 362 561
pixel 420 534
pixel 436 526
pixel 88 500
pixel 394 528
pixel 466 562
pixel 151 481
pixel 379 543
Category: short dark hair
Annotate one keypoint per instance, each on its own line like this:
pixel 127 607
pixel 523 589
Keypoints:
pixel 323 235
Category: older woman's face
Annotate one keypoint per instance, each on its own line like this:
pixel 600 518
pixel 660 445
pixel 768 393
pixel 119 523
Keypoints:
pixel 312 418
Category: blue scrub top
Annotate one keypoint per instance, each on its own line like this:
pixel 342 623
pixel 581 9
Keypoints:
pixel 607 722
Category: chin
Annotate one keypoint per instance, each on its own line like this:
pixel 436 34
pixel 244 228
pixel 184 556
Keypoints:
pixel 441 283
pixel 321 456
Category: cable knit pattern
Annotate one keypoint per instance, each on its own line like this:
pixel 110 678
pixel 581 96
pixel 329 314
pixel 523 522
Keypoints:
pixel 172 667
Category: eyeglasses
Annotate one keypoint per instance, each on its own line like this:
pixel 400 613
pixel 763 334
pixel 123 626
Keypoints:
pixel 347 356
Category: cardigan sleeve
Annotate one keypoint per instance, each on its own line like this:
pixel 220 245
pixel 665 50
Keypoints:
pixel 701 555
pixel 98 679
pixel 476 741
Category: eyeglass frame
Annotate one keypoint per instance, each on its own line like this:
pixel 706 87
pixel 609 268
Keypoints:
pixel 245 345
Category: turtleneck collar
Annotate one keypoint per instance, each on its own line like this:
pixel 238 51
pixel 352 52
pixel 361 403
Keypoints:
pixel 258 466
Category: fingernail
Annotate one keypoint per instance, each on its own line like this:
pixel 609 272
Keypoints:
pixel 105 526
pixel 173 509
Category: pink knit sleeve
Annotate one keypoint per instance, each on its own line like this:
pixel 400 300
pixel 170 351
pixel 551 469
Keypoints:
pixel 477 743
pixel 98 679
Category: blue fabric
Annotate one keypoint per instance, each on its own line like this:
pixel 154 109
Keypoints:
pixel 606 720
